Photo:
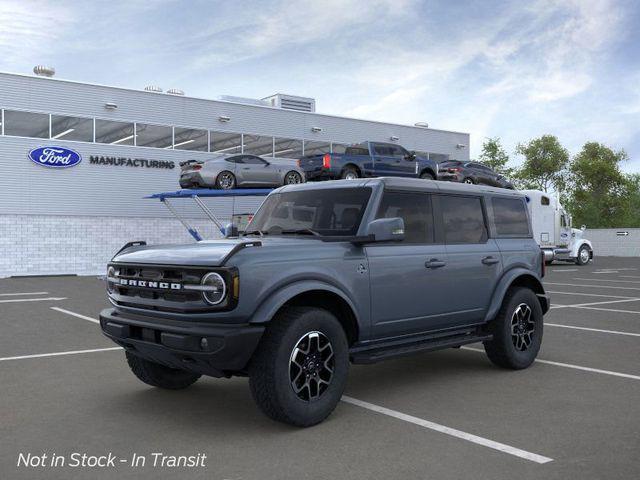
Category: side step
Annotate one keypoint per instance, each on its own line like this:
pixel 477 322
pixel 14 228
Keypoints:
pixel 382 352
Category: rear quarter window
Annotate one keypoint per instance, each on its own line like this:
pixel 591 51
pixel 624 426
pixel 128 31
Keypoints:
pixel 510 217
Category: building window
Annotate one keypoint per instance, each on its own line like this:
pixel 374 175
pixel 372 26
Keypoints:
pixel 190 139
pixel 26 124
pixel 225 143
pixel 157 136
pixel 316 148
pixel 258 145
pixel 287 148
pixel 71 128
pixel 115 133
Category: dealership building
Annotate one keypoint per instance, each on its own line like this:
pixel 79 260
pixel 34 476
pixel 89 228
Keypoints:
pixel 128 145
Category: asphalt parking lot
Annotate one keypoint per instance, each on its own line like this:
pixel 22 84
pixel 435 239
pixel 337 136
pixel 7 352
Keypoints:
pixel 450 414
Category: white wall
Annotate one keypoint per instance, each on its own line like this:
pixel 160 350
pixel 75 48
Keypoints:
pixel 607 243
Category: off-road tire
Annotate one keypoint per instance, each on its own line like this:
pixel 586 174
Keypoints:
pixel 349 173
pixel 501 350
pixel 158 375
pixel 579 260
pixel 269 369
pixel 427 176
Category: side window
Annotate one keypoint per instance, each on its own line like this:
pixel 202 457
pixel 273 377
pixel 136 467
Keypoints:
pixel 463 219
pixel 237 159
pixel 415 210
pixel 397 151
pixel 252 160
pixel 381 150
pixel 510 217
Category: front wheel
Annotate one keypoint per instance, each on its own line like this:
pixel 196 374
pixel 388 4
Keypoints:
pixel 427 176
pixel 292 177
pixel 516 330
pixel 158 375
pixel 225 180
pixel 584 255
pixel 299 371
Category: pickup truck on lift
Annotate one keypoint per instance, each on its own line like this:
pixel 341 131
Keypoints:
pixel 368 159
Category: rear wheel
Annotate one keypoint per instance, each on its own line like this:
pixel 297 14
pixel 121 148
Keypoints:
pixel 225 180
pixel 292 178
pixel 584 255
pixel 350 173
pixel 427 176
pixel 469 181
pixel 517 330
pixel 158 375
pixel 299 371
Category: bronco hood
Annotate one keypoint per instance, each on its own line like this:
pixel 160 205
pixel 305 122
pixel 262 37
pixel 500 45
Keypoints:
pixel 212 253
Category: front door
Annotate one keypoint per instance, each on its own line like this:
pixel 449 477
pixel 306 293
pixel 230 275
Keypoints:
pixel 410 281
pixel 474 260
pixel 255 171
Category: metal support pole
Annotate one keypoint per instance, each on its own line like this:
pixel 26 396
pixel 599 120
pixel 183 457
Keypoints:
pixel 194 233
pixel 208 213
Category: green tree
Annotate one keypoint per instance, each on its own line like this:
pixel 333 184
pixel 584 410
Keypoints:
pixel 600 195
pixel 545 164
pixel 494 156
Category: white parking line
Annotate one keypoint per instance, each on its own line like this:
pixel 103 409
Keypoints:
pixel 587 294
pixel 57 354
pixel 16 300
pixel 589 304
pixel 605 272
pixel 74 314
pixel 629 276
pixel 592 286
pixel 598 330
pixel 563 270
pixel 569 365
pixel 607 280
pixel 23 293
pixel 611 310
pixel 533 457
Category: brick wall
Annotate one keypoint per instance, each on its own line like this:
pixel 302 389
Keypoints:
pixel 53 245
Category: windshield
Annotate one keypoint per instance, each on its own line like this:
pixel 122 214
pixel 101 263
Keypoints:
pixel 326 212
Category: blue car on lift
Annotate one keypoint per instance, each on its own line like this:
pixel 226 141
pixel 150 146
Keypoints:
pixel 368 159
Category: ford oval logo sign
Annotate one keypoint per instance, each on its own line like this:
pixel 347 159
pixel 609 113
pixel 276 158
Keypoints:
pixel 55 157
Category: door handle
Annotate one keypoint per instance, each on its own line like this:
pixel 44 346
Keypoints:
pixel 246 168
pixel 434 263
pixel 490 260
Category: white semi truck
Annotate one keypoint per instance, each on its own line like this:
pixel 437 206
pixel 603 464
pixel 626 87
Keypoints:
pixel 553 232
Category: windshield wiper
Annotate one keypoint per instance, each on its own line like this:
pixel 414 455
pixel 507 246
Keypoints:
pixel 255 232
pixel 302 231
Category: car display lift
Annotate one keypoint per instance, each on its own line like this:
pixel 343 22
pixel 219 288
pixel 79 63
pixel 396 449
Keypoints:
pixel 197 195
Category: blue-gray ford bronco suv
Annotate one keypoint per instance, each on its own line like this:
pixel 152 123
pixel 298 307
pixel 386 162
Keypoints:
pixel 345 271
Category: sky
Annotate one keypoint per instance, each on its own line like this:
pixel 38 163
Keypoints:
pixel 509 69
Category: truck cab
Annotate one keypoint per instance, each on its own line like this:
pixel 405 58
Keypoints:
pixel 552 230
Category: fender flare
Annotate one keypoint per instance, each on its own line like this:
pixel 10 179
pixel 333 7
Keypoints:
pixel 430 170
pixel 272 303
pixel 506 281
pixel 578 244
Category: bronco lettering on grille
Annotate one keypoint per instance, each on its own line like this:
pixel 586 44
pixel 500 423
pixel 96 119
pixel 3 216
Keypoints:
pixel 149 284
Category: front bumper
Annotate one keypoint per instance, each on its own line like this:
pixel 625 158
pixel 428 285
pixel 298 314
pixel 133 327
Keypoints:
pixel 208 349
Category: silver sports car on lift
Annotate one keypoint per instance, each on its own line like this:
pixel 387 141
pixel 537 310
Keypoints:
pixel 240 170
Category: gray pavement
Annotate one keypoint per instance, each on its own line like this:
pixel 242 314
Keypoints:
pixel 577 410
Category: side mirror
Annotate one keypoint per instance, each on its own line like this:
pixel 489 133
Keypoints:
pixel 410 156
pixel 230 230
pixel 583 228
pixel 386 229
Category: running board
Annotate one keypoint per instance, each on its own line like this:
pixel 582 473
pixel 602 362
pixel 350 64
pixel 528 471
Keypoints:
pixel 380 353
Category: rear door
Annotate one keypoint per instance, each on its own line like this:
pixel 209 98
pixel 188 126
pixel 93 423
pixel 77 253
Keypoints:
pixel 409 279
pixel 474 261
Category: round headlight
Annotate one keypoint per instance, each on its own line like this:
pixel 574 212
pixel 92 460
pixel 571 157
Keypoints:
pixel 216 288
pixel 111 272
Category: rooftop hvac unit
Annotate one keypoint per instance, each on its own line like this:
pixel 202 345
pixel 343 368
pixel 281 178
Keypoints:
pixel 153 88
pixel 43 71
pixel 291 102
pixel 175 91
